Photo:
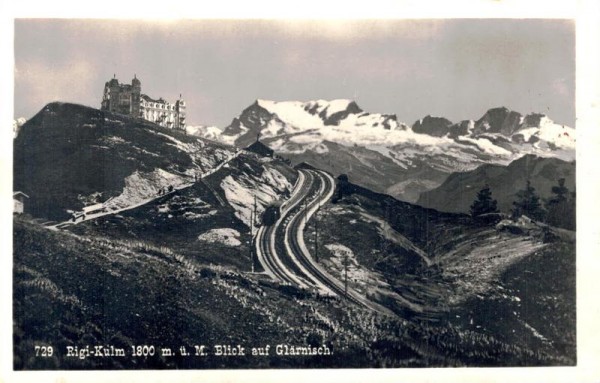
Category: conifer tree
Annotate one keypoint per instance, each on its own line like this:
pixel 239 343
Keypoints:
pixel 484 203
pixel 561 207
pixel 528 203
pixel 561 193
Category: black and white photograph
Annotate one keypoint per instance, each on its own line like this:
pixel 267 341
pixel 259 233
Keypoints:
pixel 276 194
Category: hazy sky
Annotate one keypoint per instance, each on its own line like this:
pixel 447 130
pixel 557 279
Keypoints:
pixel 452 68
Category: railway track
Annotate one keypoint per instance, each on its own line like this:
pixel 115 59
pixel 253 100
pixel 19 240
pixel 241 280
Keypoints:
pixel 296 265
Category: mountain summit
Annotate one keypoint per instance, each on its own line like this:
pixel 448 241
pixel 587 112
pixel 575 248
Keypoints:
pixel 433 126
pixel 68 156
pixel 499 120
pixel 273 119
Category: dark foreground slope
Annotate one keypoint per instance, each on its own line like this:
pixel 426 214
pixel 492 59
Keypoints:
pixel 448 271
pixel 68 156
pixel 83 291
pixel 447 278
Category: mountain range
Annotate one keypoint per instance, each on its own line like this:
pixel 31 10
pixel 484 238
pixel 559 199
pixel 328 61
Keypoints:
pixel 380 152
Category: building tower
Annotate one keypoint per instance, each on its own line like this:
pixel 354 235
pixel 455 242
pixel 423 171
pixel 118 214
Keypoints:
pixel 136 92
pixel 180 114
pixel 110 98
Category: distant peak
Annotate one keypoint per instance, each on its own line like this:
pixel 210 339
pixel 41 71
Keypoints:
pixel 535 120
pixel 329 112
pixel 433 126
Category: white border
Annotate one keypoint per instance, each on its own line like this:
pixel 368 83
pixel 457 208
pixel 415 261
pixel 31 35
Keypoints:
pixel 587 15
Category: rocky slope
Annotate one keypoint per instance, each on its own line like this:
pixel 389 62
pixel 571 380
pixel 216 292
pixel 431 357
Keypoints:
pixel 176 272
pixel 75 290
pixel 339 136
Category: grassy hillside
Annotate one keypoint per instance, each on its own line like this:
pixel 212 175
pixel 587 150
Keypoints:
pixel 72 290
pixel 82 290
pixel 451 271
pixel 69 155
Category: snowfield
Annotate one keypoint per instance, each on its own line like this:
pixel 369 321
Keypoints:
pixel 241 192
pixel 296 127
pixel 226 236
pixel 209 132
pixel 140 187
pixel 194 216
pixel 549 133
pixel 293 113
pixel 486 146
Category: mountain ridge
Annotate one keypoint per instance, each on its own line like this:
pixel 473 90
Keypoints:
pixel 305 131
pixel 459 190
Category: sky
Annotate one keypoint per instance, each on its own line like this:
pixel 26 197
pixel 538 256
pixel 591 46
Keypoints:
pixel 455 68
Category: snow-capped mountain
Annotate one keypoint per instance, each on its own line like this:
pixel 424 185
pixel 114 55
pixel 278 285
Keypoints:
pixel 209 132
pixel 378 151
pixel 316 121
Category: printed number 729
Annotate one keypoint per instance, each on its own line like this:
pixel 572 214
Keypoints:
pixel 44 351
